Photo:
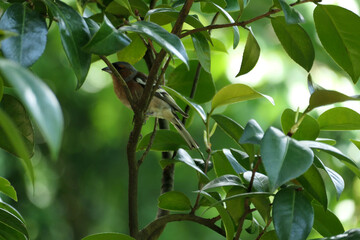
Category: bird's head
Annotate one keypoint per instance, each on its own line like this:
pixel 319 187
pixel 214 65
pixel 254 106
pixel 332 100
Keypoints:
pixel 125 69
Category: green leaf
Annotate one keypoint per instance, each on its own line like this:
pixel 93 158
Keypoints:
pixel 326 140
pixel 325 97
pixel 339 118
pixel 125 4
pixel 356 143
pixel 11 210
pixel 234 163
pixel 352 234
pixel 236 207
pixel 314 184
pixel 234 130
pixel 29 43
pixel 165 140
pixel 11 221
pixel 7 189
pixel 283 157
pixel 107 40
pixel 108 236
pixel 134 52
pixel 198 109
pixel 1 89
pixel 251 54
pixel 39 101
pixel 263 206
pixel 270 235
pixel 225 216
pixel 207 6
pixel 308 129
pixel 181 79
pixel 234 93
pixel 260 182
pixel 8 233
pixel 19 117
pixel 335 178
pixel 6 34
pixel 184 157
pixel 291 15
pixel 339 33
pixel 170 42
pixel 253 133
pixel 223 181
pixel 295 41
pixel 334 152
pixel 325 222
pixel 92 25
pixel 139 5
pixel 74 34
pixel 222 166
pixel 202 50
pixel 174 201
pixel 293 215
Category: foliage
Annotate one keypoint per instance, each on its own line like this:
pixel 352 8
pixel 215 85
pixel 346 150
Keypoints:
pixel 272 180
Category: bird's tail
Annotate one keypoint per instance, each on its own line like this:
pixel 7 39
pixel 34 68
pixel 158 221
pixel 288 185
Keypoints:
pixel 184 133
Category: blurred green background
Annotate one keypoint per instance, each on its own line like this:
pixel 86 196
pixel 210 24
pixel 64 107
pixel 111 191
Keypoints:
pixel 85 190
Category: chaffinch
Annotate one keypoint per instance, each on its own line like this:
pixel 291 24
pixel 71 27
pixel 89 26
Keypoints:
pixel 162 105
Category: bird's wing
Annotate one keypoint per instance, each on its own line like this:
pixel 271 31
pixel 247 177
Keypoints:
pixel 163 95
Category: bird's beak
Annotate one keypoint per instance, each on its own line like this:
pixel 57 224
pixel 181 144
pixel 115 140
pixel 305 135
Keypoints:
pixel 107 69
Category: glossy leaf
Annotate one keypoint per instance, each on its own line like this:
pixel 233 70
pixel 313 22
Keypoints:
pixel 92 25
pixel 74 34
pixel 242 157
pixel 292 16
pixel 253 133
pixel 325 222
pixel 222 166
pixel 6 34
pixel 326 141
pixel 165 140
pixel 236 207
pixel 234 93
pixel 29 43
pixel 11 210
pixel 334 152
pixel 134 52
pixel 13 222
pixel 223 181
pixel 181 79
pixel 283 157
pixel 198 109
pixel 170 42
pixel 260 182
pixel 108 236
pixel 270 235
pixel 250 56
pixel 174 201
pixel 139 5
pixel 263 206
pixel 339 118
pixel 234 163
pixel 314 184
pixel 19 117
pixel 7 189
pixel 325 97
pixel 308 129
pixel 125 4
pixel 352 234
pixel 293 215
pixel 207 6
pixel 295 41
pixel 8 233
pixel 339 33
pixel 1 89
pixel 202 50
pixel 107 40
pixel 335 178
pixel 184 157
pixel 39 101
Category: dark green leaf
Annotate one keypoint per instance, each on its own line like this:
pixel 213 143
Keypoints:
pixel 222 181
pixel 11 210
pixel 314 184
pixel 107 40
pixel 232 6
pixel 1 89
pixel 334 152
pixel 139 5
pixel 339 118
pixel 253 133
pixel 291 15
pixel 271 235
pixel 308 129
pixel 39 101
pixel 184 157
pixel 181 79
pixel 108 236
pixel 92 25
pixel 13 222
pixel 339 33
pixel 174 201
pixel 356 143
pixel 18 115
pixel 30 42
pixel 165 140
pixel 251 54
pixel 283 157
pixel 293 215
pixel 325 97
pixel 241 157
pixel 325 222
pixel 234 163
pixel 207 6
pixel 6 188
pixel 198 109
pixel 134 52
pixel 202 50
pixel 236 207
pixel 335 178
pixel 260 183
pixel 8 233
pixel 74 34
pixel 125 4
pixel 234 93
pixel 222 166
pixel 263 206
pixel 352 234
pixel 295 41
pixel 170 42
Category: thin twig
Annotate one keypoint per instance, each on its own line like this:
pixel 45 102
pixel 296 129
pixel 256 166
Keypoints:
pixel 263 231
pixel 148 147
pixel 254 173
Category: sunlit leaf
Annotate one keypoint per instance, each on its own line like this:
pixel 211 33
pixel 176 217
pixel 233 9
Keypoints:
pixel 202 50
pixel 352 234
pixel 174 201
pixel 108 236
pixel 260 182
pixel 325 222
pixel 134 52
pixel 325 97
pixel 7 189
pixel 253 133
pixel 184 157
pixel 292 16
pixel 250 56
pixel 222 181
pixel 339 118
pixel 236 207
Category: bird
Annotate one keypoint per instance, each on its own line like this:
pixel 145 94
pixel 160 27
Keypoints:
pixel 162 105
